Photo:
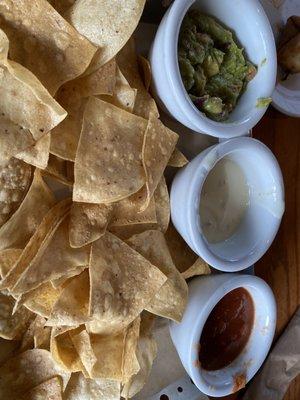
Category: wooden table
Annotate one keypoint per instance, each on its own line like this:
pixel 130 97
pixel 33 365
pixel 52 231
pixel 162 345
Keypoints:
pixel 280 267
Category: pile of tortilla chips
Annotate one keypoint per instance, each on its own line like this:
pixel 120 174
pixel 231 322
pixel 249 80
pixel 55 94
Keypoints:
pixel 87 256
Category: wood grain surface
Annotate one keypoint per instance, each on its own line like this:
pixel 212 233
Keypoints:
pixel 280 267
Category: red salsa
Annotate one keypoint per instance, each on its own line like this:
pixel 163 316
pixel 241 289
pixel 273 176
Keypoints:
pixel 227 330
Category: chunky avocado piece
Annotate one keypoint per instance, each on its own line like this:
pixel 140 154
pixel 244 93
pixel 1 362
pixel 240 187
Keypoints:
pixel 213 67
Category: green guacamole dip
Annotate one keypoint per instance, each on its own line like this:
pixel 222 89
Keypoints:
pixel 214 69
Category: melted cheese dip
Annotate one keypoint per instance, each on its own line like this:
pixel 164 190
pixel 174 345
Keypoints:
pixel 224 201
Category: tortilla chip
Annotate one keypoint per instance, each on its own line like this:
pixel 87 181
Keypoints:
pixel 60 282
pixel 71 308
pixel 127 212
pixel 40 235
pixel 55 258
pixel 130 364
pixel 178 159
pixel 12 326
pixel 146 71
pixel 170 301
pixel 126 231
pixel 13 139
pixel 24 100
pixel 8 258
pixel 122 284
pixel 146 353
pixel 45 43
pixel 73 97
pixel 183 257
pixel 42 299
pixel 107 24
pixel 200 267
pixel 127 62
pixel 60 170
pixel 36 326
pixel 82 342
pixel 38 154
pixel 31 368
pixel 159 143
pixel 64 352
pixel 123 95
pixel 162 204
pixel 107 165
pixel 80 388
pixel 15 179
pixel 88 222
pixel 16 232
pixel 50 390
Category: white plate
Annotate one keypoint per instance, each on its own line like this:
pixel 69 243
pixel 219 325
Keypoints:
pixel 286 97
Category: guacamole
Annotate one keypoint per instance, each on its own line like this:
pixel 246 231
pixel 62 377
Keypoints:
pixel 214 69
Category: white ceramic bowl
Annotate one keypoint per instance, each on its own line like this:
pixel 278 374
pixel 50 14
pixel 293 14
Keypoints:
pixel 250 23
pixel 204 294
pixel 263 215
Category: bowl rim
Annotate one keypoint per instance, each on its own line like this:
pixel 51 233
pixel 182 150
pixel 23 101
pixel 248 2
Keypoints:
pixel 201 123
pixel 206 164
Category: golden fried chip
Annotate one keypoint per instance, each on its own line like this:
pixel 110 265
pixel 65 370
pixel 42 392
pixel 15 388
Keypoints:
pixel 36 326
pixel 107 24
pixel 146 353
pixel 60 282
pixel 39 237
pixel 38 154
pixel 88 222
pixel 146 71
pixel 12 326
pixel 162 204
pixel 31 368
pixel 60 170
pixel 80 388
pixel 73 97
pixel 125 232
pixel 178 159
pixel 200 267
pixel 42 299
pixel 127 62
pixel 72 306
pixel 108 166
pixel 54 259
pixel 37 202
pixel 8 258
pixel 170 301
pixel 82 342
pixel 44 42
pixel 50 390
pixel 24 100
pixel 127 212
pixel 159 143
pixel 123 95
pixel 122 284
pixel 15 179
pixel 130 365
pixel 63 351
pixel 13 139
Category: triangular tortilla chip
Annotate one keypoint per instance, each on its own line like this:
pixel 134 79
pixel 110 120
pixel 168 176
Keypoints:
pixel 170 301
pixel 60 170
pixel 72 306
pixel 130 364
pixel 52 260
pixel 162 205
pixel 32 368
pixel 125 232
pixel 8 258
pixel 37 202
pixel 38 154
pixel 80 388
pixel 146 71
pixel 15 179
pixel 159 144
pixel 36 325
pixel 50 390
pixel 108 166
pixel 73 97
pixel 60 282
pixel 200 267
pixel 178 159
pixel 82 342
pixel 24 100
pixel 88 222
pixel 41 235
pixel 45 43
pixel 107 24
pixel 122 284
